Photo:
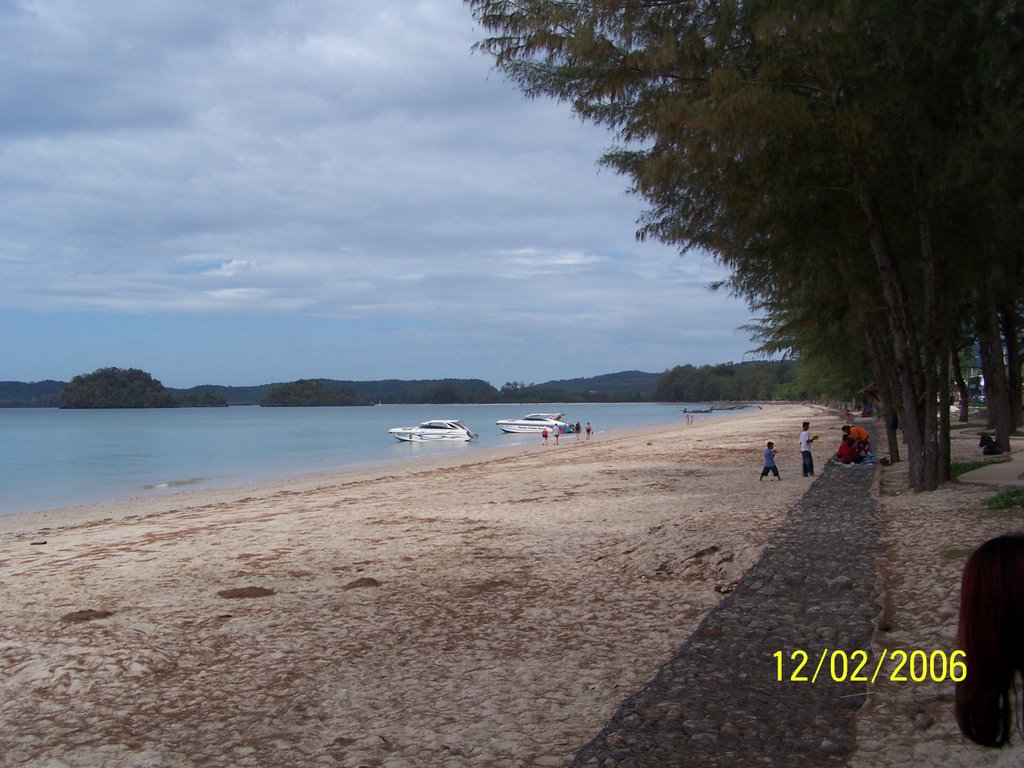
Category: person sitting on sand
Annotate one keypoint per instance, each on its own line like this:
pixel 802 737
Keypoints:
pixel 991 634
pixel 861 441
pixel 846 453
pixel 769 463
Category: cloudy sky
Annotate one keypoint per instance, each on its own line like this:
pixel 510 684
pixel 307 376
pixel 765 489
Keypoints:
pixel 243 192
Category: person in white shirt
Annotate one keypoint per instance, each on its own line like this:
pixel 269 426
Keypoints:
pixel 806 438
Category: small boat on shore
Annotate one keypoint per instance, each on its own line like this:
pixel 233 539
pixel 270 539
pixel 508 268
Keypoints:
pixel 535 422
pixel 438 430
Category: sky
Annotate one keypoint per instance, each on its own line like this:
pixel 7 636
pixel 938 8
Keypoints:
pixel 251 192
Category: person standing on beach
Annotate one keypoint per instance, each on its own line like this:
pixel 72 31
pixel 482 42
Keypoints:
pixel 806 438
pixel 544 434
pixel 588 430
pixel 769 463
pixel 577 429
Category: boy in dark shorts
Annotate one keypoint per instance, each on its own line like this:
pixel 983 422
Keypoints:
pixel 769 463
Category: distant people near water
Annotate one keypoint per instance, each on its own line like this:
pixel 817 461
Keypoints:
pixel 991 633
pixel 589 430
pixel 769 463
pixel 577 430
pixel 555 431
pixel 806 438
pixel 544 435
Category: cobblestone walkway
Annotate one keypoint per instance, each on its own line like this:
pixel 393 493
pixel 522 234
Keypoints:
pixel 719 701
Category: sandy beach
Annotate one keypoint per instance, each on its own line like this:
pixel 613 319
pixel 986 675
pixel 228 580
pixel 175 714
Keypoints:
pixel 484 612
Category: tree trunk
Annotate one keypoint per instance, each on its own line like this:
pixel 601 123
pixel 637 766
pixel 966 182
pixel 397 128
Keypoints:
pixel 942 464
pixel 1010 321
pixel 879 358
pixel 882 367
pixel 906 354
pixel 997 397
pixel 961 388
pixel 934 336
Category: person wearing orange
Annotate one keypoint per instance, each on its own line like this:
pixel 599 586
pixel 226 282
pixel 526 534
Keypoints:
pixel 861 440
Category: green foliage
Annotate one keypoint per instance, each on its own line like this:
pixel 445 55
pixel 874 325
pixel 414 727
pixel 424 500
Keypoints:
pixel 710 383
pixel 218 394
pixel 36 394
pixel 116 388
pixel 310 392
pixel 1008 499
pixel 622 387
pixel 202 400
pixel 850 163
pixel 958 468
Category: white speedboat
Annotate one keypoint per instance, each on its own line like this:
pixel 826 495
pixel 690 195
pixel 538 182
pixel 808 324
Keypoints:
pixel 439 430
pixel 535 422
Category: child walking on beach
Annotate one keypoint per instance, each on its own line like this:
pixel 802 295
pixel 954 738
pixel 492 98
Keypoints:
pixel 769 463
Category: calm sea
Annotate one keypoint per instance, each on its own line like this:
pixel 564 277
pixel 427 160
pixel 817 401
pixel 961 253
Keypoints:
pixel 52 458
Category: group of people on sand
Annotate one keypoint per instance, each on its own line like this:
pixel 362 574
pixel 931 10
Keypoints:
pixel 854 446
pixel 806 457
pixel 989 703
pixel 576 428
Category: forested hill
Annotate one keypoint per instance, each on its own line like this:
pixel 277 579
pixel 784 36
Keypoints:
pixel 628 385
pixel 729 381
pixel 625 386
pixel 36 394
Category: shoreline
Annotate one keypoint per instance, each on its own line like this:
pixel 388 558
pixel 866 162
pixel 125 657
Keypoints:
pixel 491 610
pixel 167 500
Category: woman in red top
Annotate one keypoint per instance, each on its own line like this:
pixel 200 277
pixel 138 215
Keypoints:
pixel 846 453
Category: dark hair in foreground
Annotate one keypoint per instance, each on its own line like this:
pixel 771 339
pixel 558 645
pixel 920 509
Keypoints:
pixel 991 635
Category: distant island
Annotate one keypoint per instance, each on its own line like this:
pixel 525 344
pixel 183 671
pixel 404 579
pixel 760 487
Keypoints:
pixel 311 392
pixel 133 388
pixel 126 388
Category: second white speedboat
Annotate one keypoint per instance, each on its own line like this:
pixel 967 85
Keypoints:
pixel 438 430
pixel 535 422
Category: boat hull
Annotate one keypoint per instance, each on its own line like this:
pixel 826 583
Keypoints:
pixel 437 431
pixel 414 437
pixel 535 423
pixel 536 428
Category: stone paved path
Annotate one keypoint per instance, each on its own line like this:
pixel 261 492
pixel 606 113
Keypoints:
pixel 719 701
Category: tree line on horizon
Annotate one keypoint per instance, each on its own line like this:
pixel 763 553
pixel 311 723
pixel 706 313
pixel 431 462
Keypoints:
pixel 855 167
pixel 134 388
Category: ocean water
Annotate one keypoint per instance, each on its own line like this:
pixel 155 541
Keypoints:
pixel 51 458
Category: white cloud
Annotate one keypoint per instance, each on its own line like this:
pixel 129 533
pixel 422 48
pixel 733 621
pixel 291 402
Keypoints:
pixel 322 163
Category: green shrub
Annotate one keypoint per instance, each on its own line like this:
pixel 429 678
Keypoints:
pixel 957 468
pixel 1014 497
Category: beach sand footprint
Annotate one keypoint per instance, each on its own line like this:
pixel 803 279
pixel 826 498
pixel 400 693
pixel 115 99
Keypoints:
pixel 89 614
pixel 243 593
